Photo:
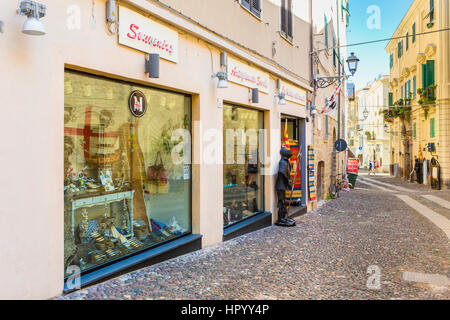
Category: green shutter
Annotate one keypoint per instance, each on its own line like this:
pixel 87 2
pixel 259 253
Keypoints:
pixel 326 31
pixel 424 76
pixel 326 126
pixel 407 41
pixel 415 130
pixel 432 128
pixel 414 32
pixel 414 87
pixel 391 99
pixel 391 60
pixel 409 89
pixel 430 72
pixel 401 89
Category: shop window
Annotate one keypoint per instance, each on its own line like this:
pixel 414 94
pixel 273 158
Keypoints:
pixel 243 184
pixel 286 19
pixel 126 187
pixel 254 6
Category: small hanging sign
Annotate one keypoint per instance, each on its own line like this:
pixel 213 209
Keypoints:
pixel 137 103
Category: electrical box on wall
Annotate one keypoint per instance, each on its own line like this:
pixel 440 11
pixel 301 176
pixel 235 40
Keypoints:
pixel 111 11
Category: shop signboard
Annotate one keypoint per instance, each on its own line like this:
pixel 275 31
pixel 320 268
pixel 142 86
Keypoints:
pixel 247 76
pixel 141 33
pixel 293 93
pixel 352 165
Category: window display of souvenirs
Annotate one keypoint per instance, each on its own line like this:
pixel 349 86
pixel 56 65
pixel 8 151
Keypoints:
pixel 122 191
pixel 243 182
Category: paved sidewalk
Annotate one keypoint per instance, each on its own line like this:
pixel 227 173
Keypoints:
pixel 326 256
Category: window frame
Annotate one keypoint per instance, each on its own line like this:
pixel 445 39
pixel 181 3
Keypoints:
pixel 138 85
pixel 263 200
pixel 248 6
pixel 288 15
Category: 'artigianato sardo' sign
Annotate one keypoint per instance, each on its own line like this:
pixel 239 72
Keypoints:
pixel 143 34
pixel 247 76
pixel 293 93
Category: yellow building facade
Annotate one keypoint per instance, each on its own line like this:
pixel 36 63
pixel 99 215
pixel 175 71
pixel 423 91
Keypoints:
pixel 419 86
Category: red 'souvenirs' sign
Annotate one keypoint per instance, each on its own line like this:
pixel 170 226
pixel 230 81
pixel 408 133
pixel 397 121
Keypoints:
pixel 135 34
pixel 141 33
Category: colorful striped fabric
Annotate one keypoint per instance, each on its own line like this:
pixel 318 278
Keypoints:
pixel 311 173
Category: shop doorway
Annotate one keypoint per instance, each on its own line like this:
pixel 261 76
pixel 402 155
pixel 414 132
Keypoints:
pixel 292 132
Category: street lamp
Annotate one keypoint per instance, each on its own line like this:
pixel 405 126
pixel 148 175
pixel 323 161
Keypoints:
pixel 352 62
pixel 386 128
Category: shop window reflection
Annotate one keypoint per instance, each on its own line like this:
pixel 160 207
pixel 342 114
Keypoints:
pixel 122 191
pixel 243 182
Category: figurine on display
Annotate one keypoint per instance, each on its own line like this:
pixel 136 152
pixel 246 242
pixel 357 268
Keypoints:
pixel 283 184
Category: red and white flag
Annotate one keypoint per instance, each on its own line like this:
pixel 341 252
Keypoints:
pixel 330 107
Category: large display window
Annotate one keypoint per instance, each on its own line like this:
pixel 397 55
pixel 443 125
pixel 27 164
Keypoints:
pixel 123 191
pixel 243 190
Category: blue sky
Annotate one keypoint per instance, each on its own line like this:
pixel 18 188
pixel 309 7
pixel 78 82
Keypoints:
pixel 374 59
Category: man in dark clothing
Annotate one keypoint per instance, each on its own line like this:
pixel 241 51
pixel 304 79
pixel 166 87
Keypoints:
pixel 283 184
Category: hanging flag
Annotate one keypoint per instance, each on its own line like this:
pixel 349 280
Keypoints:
pixel 286 144
pixel 345 10
pixel 329 108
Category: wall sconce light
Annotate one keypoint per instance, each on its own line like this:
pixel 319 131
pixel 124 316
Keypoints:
pixel 281 99
pixel 223 83
pixel 34 11
pixel 222 75
pixel 254 95
pixel 313 109
pixel 1 26
pixel 152 65
pixel 281 96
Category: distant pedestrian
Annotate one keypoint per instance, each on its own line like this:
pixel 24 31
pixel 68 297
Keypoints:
pixel 371 168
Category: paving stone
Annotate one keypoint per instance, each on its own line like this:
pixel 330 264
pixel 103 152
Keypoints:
pixel 326 256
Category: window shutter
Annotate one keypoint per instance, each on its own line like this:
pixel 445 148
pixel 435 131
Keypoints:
pixel 326 126
pixel 256 7
pixel 283 16
pixel 432 128
pixel 289 18
pixel 401 89
pixel 414 32
pixel 326 32
pixel 246 4
pixel 431 10
pixel 348 14
pixel 334 58
pixel 391 99
pixel 424 76
pixel 409 89
pixel 414 86
pixel 407 41
pixel 391 60
pixel 430 72
pixel 415 130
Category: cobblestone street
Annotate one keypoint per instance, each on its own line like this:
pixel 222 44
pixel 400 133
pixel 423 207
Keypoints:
pixel 326 256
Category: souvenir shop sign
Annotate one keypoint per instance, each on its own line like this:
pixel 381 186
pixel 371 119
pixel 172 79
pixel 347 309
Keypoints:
pixel 293 93
pixel 137 103
pixel 247 76
pixel 143 34
pixel 352 165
